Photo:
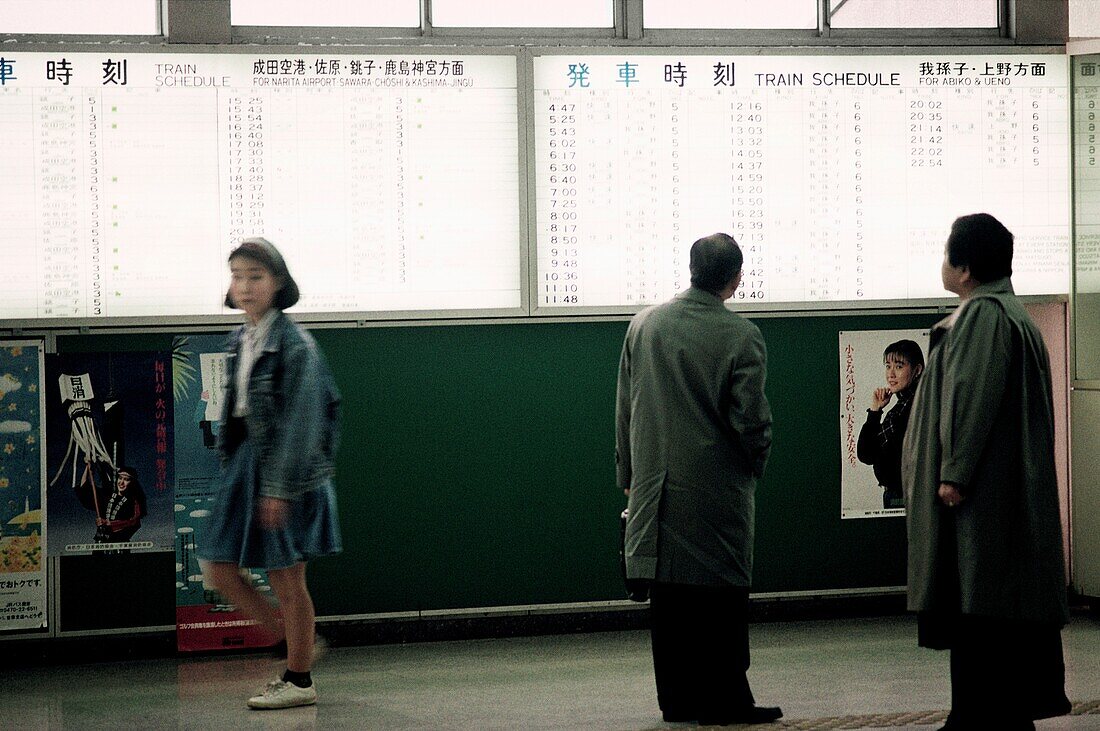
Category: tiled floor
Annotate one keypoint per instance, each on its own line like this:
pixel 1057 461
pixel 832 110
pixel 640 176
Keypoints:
pixel 869 672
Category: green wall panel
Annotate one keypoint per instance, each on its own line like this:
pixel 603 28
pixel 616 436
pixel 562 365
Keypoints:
pixel 477 465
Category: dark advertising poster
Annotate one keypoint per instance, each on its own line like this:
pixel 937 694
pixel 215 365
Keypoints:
pixel 204 621
pixel 109 454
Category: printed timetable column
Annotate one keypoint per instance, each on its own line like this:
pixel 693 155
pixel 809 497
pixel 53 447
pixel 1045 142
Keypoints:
pixel 378 177
pixel 59 161
pixel 568 160
pixel 644 186
pixel 18 207
pixel 454 205
pixel 247 122
pixel 44 117
pixel 160 181
pixel 93 202
pixel 392 180
pixel 1046 188
pixel 1086 175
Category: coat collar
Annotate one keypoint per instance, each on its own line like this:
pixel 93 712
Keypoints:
pixel 258 333
pixel 273 342
pixel 701 296
pixel 997 286
pixel 988 289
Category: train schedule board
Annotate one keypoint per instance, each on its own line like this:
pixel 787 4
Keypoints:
pixel 390 181
pixel 838 175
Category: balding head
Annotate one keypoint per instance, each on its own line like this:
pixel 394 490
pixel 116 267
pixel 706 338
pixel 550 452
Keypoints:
pixel 715 262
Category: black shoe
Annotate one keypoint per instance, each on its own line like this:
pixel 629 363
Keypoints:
pixel 679 716
pixel 954 724
pixel 754 714
pixel 1060 707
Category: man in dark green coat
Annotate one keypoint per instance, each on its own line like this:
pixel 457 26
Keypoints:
pixel 986 573
pixel 693 434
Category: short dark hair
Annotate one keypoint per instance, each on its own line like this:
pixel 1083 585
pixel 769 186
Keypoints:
pixel 908 350
pixel 982 244
pixel 715 261
pixel 135 489
pixel 264 252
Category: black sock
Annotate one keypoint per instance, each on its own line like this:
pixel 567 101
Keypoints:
pixel 302 680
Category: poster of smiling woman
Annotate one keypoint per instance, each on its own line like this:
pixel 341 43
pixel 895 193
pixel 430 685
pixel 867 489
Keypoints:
pixel 879 373
pixel 22 466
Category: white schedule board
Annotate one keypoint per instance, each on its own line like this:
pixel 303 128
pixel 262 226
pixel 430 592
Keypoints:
pixel 389 182
pixel 839 175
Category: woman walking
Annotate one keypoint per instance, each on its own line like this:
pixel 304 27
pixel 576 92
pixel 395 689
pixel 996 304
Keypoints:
pixel 275 506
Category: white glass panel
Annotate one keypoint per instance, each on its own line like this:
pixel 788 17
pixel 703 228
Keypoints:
pixel 839 174
pixel 522 14
pixel 910 14
pixel 327 13
pixel 389 181
pixel 739 14
pixel 80 17
pixel 1084 18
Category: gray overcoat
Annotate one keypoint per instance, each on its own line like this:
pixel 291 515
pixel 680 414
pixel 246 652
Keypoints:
pixel 983 419
pixel 693 435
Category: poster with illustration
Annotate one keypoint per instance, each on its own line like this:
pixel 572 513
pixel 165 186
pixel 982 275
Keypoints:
pixel 109 459
pixel 204 620
pixel 22 489
pixel 879 373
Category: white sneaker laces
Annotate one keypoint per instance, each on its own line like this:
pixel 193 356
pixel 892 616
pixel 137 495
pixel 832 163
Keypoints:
pixel 274 687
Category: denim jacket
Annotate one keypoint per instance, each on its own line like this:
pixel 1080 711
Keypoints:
pixel 293 411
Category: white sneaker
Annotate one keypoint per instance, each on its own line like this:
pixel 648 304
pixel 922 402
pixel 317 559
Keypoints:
pixel 281 694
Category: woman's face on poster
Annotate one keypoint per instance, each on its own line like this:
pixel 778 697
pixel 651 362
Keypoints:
pixel 899 373
pixel 123 481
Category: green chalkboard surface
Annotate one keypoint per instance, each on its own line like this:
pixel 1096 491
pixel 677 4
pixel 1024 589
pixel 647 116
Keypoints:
pixel 477 465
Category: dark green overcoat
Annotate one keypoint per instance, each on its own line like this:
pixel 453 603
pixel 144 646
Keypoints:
pixel 983 419
pixel 693 435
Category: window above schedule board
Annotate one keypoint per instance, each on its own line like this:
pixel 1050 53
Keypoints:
pixel 389 180
pixel 839 175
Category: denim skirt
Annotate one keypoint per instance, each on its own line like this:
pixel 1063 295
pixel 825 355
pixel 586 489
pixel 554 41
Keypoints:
pixel 233 533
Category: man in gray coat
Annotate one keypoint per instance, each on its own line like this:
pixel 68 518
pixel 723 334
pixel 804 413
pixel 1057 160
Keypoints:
pixel 986 573
pixel 693 435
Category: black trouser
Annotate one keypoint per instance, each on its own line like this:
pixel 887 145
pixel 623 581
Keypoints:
pixel 700 649
pixel 1005 673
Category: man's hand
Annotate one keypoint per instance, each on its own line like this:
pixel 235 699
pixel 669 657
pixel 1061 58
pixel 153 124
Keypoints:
pixel 273 512
pixel 949 494
pixel 626 491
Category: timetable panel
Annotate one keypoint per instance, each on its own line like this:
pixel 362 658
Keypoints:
pixel 1086 139
pixel 839 175
pixel 390 182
